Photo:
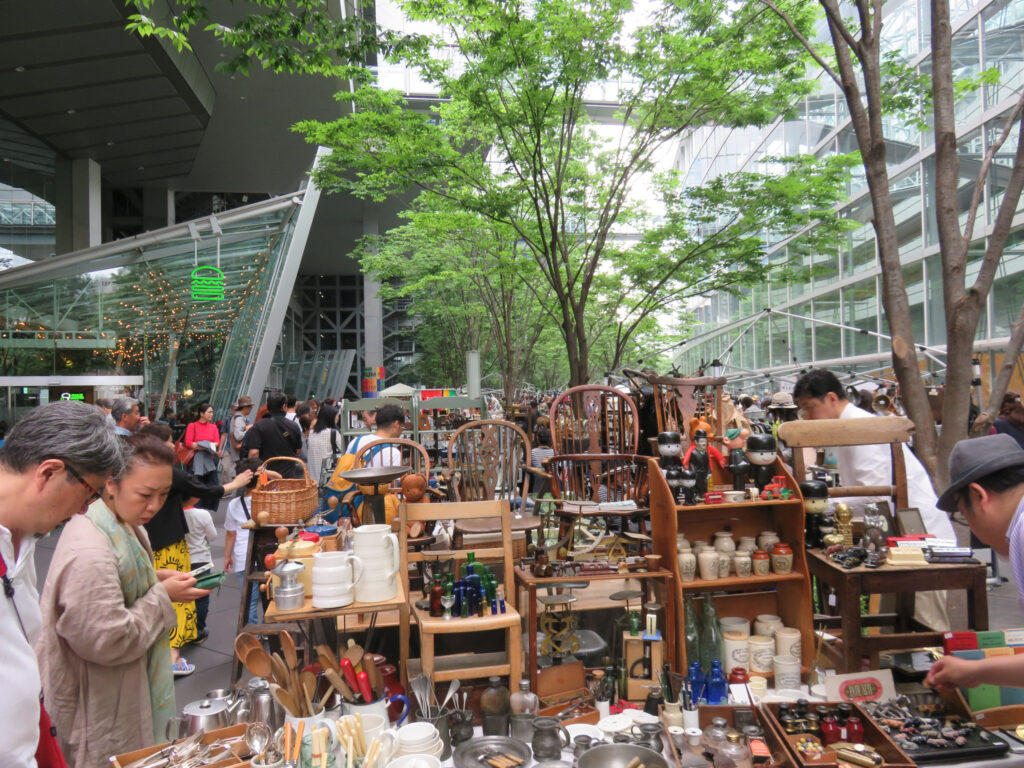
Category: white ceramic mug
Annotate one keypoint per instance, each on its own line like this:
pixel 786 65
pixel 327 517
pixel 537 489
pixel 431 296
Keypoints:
pixel 787 672
pixel 758 686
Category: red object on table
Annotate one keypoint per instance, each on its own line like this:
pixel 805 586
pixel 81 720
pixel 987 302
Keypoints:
pixel 350 675
pixel 364 687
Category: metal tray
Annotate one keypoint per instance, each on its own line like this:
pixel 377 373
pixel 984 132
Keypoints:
pixel 468 755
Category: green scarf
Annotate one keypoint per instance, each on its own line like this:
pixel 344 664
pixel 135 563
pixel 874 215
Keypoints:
pixel 135 569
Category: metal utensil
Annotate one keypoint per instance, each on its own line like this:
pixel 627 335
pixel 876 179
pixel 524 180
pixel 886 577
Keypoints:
pixel 257 736
pixel 453 687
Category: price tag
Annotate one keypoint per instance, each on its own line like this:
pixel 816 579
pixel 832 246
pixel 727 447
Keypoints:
pixel 832 599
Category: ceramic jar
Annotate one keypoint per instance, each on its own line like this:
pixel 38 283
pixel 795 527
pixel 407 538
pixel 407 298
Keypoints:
pixel 788 643
pixel 682 542
pixel 760 562
pixel 699 546
pixel 707 560
pixel 746 544
pixel 724 542
pixel 766 540
pixel 687 565
pixel 767 624
pixel 735 649
pixel 724 564
pixel 762 654
pixel 742 564
pixel 782 558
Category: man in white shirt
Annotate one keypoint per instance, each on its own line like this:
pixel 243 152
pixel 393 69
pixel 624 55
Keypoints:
pixel 54 463
pixel 390 421
pixel 820 395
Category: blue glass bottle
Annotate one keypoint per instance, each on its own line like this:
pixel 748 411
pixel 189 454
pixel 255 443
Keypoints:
pixel 696 680
pixel 718 686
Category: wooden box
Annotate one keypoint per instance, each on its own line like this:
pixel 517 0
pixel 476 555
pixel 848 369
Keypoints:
pixel 557 686
pixel 637 688
pixel 120 761
pixel 780 752
pixel 874 737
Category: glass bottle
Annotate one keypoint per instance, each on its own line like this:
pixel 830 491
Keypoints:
pixel 854 730
pixel 691 629
pixel 830 733
pixel 524 706
pixel 710 634
pixel 733 753
pixel 495 706
pixel 718 686
pixel 714 735
pixel 436 593
pixel 696 680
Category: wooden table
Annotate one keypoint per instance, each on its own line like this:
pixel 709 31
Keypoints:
pixel 327 619
pixel 526 580
pixel 850 584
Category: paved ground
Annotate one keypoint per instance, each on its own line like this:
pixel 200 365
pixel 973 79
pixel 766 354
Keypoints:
pixel 213 658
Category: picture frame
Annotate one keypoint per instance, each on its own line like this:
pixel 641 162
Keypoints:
pixel 910 523
pixel 886 512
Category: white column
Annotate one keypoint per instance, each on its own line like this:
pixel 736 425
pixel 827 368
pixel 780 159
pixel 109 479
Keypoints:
pixel 373 310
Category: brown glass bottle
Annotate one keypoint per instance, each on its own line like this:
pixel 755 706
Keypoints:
pixel 495 708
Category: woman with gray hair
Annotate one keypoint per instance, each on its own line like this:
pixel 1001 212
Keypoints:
pixel 52 466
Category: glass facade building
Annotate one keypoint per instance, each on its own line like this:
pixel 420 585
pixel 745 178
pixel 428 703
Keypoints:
pixel 845 288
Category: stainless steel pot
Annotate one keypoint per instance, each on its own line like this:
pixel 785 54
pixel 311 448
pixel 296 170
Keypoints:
pixel 262 706
pixel 619 756
pixel 206 715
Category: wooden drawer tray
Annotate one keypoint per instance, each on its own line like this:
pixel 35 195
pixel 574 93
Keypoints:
pixel 781 756
pixel 874 737
pixel 120 761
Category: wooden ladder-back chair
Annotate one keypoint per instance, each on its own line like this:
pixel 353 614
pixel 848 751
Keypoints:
pixel 894 430
pixel 594 418
pixel 600 480
pixel 677 402
pixel 378 454
pixel 462 666
pixel 490 459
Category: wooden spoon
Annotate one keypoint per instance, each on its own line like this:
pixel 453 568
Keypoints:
pixel 335 679
pixel 288 648
pixel 281 675
pixel 285 699
pixel 355 654
pixel 308 680
pixel 257 661
pixel 244 643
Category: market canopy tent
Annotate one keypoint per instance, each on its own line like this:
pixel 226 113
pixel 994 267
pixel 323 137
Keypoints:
pixel 397 390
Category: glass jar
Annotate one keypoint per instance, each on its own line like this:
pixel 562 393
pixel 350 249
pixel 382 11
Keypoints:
pixel 734 753
pixel 854 730
pixel 714 735
pixel 830 732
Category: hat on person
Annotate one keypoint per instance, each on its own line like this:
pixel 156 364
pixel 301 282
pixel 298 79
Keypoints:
pixel 782 400
pixel 244 402
pixel 974 459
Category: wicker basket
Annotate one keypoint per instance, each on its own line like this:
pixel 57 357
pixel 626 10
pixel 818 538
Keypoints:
pixel 286 501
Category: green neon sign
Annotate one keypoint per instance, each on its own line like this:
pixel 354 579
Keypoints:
pixel 207 284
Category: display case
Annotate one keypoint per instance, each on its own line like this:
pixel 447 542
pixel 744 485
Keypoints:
pixel 785 595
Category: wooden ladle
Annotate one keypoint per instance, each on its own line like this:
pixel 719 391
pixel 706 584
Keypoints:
pixel 285 699
pixel 244 643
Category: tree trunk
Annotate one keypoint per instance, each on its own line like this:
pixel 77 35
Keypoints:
pixel 1010 361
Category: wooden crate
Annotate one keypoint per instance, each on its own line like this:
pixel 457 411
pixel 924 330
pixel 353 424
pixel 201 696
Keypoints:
pixel 119 761
pixel 781 757
pixel 874 737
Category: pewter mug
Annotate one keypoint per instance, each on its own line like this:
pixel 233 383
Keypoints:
pixel 549 738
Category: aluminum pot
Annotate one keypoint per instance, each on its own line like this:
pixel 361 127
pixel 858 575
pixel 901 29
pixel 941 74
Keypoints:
pixel 619 756
pixel 206 715
pixel 262 705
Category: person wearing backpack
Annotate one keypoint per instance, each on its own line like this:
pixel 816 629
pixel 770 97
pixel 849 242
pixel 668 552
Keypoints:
pixel 390 421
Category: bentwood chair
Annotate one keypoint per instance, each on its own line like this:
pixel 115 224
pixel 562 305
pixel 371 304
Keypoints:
pixel 594 419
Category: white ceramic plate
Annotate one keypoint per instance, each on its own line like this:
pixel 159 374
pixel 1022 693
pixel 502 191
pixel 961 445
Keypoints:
pixel 615 723
pixel 639 716
pixel 584 729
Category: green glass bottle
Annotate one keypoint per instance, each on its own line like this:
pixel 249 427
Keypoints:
pixel 691 629
pixel 710 634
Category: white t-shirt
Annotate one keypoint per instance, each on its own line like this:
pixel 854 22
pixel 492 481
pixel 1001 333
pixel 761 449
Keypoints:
pixel 19 669
pixel 233 519
pixel 388 456
pixel 200 535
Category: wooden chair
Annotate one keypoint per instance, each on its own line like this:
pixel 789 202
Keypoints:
pixel 894 430
pixel 412 454
pixel 599 479
pixel 594 419
pixel 490 459
pixel 462 666
pixel 677 401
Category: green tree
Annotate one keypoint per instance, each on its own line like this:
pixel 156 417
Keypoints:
pixel 512 140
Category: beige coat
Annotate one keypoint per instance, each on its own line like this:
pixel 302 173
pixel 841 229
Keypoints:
pixel 92 649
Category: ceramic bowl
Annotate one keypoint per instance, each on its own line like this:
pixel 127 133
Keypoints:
pixel 415 761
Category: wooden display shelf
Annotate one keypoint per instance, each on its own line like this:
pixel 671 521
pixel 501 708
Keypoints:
pixel 737 582
pixel 309 613
pixel 787 595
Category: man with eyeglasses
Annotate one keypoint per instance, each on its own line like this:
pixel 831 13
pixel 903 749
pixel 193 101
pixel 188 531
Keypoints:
pixel 987 487
pixel 54 463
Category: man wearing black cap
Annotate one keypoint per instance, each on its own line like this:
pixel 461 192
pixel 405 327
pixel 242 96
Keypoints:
pixel 987 487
